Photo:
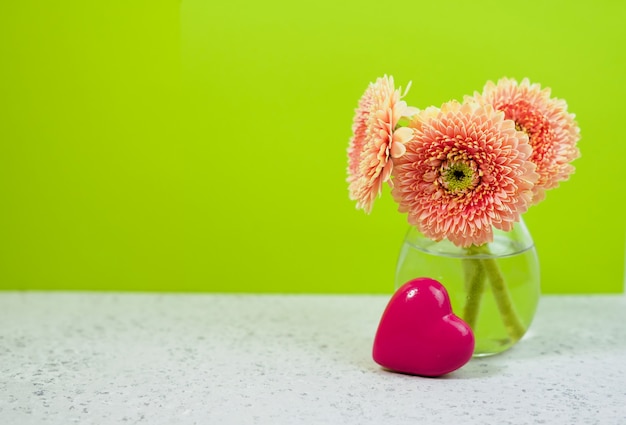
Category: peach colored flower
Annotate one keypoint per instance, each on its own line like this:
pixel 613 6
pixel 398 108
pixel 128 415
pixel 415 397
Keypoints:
pixel 375 140
pixel 552 131
pixel 465 170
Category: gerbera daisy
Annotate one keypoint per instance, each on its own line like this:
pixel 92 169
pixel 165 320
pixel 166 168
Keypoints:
pixel 375 140
pixel 552 131
pixel 465 170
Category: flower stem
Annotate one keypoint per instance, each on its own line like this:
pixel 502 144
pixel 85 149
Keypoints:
pixel 514 326
pixel 475 285
pixel 475 271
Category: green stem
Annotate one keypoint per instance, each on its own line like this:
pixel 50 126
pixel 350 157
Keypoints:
pixel 475 271
pixel 514 326
pixel 475 285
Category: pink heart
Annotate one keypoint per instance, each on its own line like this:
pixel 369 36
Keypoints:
pixel 418 334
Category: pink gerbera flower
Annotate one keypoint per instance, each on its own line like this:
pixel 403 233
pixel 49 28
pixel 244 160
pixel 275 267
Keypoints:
pixel 375 140
pixel 465 170
pixel 552 131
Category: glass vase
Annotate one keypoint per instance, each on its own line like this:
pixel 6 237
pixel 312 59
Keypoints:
pixel 494 287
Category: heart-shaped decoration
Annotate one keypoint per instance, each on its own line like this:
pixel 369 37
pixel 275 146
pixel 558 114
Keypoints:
pixel 419 334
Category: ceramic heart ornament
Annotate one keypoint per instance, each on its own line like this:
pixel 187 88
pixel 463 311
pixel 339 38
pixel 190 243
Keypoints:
pixel 419 334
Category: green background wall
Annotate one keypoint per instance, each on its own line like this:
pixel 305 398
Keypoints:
pixel 201 145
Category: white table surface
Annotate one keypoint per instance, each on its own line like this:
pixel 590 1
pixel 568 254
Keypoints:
pixel 116 358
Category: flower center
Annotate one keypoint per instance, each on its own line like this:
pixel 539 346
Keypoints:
pixel 459 177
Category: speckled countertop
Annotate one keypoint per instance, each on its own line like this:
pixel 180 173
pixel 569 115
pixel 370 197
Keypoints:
pixel 113 358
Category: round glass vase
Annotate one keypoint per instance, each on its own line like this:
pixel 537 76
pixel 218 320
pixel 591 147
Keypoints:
pixel 494 287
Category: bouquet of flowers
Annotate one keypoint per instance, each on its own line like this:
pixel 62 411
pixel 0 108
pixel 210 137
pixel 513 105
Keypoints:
pixel 466 168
